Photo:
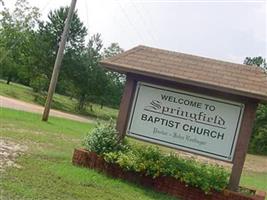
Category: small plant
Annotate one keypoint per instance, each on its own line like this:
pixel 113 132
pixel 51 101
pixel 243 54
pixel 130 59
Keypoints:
pixel 103 139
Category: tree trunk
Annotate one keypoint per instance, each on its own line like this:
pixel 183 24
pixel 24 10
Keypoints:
pixel 8 80
pixel 91 108
pixel 81 102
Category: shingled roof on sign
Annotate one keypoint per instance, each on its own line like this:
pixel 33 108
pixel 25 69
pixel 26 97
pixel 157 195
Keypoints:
pixel 244 80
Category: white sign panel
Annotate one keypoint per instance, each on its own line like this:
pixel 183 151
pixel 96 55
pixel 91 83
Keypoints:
pixel 187 121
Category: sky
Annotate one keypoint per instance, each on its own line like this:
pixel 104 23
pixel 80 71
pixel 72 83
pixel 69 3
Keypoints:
pixel 227 30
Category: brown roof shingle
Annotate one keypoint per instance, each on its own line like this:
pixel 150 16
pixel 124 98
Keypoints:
pixel 244 80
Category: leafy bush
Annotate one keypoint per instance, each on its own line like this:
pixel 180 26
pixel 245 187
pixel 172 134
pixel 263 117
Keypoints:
pixel 258 141
pixel 39 83
pixel 150 161
pixel 103 139
pixel 258 144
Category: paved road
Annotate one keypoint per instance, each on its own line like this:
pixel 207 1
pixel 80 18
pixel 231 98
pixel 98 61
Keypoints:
pixel 21 105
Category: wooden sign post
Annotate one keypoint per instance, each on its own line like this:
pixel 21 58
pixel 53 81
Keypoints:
pixel 242 145
pixel 167 96
pixel 125 106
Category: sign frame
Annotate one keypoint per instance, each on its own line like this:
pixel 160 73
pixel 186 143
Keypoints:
pixel 179 146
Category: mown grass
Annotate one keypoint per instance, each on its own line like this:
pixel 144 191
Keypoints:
pixel 16 91
pixel 60 102
pixel 256 180
pixel 47 172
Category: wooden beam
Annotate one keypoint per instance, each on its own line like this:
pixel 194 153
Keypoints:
pixel 242 144
pixel 125 106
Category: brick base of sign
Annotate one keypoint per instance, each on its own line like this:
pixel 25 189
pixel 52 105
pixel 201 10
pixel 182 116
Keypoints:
pixel 163 184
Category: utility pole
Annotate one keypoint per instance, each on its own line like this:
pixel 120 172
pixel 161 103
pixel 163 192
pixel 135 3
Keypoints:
pixel 60 54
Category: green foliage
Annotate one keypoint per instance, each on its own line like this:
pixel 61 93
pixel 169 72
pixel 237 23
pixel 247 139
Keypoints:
pixel 261 118
pixel 259 142
pixel 103 139
pixel 55 25
pixel 39 83
pixel 88 77
pixel 49 35
pixel 112 50
pixel 115 81
pixel 92 82
pixel 28 48
pixel 150 161
pixel 17 30
pixel 258 61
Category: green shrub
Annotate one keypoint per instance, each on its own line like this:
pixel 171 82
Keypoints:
pixel 103 139
pixel 39 83
pixel 150 161
pixel 259 142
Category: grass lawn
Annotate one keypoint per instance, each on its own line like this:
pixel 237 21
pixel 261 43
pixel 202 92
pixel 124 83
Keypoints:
pixel 47 172
pixel 256 180
pixel 60 102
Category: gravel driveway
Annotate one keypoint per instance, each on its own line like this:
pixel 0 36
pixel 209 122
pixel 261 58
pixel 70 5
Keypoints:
pixel 21 105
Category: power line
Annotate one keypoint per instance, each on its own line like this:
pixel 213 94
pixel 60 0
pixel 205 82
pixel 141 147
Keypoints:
pixel 150 22
pixel 44 7
pixel 130 22
pixel 121 24
pixel 145 24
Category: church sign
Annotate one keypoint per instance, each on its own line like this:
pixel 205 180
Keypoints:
pixel 183 120
pixel 191 103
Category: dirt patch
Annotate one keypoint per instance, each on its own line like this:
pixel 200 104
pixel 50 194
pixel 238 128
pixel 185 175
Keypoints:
pixel 203 159
pixel 9 151
pixel 21 130
pixel 253 163
pixel 256 163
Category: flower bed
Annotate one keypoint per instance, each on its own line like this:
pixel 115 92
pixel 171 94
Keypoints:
pixel 165 184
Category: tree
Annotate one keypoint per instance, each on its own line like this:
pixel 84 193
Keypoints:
pixel 55 25
pixel 258 61
pixel 113 50
pixel 116 80
pixel 17 30
pixel 86 75
pixel 49 36
pixel 45 47
pixel 28 49
pixel 258 142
